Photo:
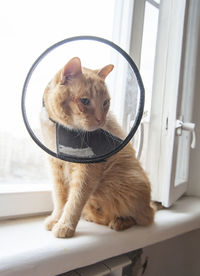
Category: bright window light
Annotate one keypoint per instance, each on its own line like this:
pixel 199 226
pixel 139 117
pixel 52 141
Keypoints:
pixel 27 28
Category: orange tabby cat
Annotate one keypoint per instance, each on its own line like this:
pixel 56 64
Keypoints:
pixel 114 193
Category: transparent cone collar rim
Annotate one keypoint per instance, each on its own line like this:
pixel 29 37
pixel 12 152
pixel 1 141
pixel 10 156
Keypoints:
pixel 133 66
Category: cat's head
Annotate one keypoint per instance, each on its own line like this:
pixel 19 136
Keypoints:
pixel 77 97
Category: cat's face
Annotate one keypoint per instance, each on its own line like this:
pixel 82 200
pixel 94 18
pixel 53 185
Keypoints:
pixel 77 97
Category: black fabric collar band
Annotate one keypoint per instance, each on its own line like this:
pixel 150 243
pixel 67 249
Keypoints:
pixel 79 143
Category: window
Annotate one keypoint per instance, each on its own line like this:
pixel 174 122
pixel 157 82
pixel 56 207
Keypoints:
pixel 142 48
pixel 24 182
pixel 150 31
pixel 24 38
pixel 165 48
pixel 172 100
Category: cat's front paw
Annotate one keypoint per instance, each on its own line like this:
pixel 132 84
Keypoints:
pixel 61 230
pixel 50 222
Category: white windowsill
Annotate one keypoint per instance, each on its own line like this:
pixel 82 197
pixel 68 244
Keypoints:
pixel 24 188
pixel 24 199
pixel 27 249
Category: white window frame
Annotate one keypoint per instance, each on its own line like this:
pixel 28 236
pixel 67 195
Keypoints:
pixel 157 123
pixel 173 93
pixel 22 200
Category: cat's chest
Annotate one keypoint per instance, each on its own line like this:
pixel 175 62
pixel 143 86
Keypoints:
pixel 82 173
pixel 74 171
pixel 67 172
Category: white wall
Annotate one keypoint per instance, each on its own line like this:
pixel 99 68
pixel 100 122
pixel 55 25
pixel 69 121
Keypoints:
pixel 174 257
pixel 194 172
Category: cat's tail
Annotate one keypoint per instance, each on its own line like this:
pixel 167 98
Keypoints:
pixel 156 206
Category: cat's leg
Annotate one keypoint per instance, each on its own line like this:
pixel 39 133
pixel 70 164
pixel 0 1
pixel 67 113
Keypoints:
pixel 104 214
pixel 144 218
pixel 122 223
pixel 59 192
pixel 107 211
pixel 118 214
pixel 80 190
pixel 94 212
pixel 143 215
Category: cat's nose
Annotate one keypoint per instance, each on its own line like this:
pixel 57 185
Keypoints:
pixel 99 120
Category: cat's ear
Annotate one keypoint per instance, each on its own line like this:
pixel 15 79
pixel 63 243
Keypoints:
pixel 103 73
pixel 71 70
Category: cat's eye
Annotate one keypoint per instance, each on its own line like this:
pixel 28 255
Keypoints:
pixel 105 102
pixel 85 101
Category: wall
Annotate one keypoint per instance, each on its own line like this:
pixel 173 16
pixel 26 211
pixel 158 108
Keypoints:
pixel 174 257
pixel 194 171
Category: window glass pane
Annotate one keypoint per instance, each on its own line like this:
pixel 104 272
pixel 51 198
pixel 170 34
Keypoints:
pixel 147 72
pixel 26 30
pixel 148 50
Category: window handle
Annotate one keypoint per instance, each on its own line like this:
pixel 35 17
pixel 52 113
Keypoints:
pixel 180 125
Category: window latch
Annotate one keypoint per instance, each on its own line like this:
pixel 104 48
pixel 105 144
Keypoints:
pixel 180 126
